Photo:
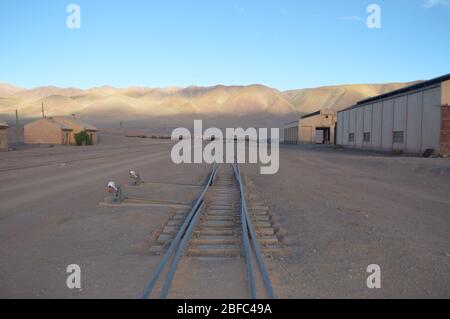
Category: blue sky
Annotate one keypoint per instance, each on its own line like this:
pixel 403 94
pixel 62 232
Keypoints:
pixel 279 43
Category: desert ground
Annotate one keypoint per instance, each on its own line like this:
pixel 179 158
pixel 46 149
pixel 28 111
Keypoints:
pixel 338 210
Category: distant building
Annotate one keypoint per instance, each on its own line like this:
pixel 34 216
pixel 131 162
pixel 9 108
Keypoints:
pixel 57 131
pixel 3 136
pixel 318 127
pixel 411 120
pixel 291 132
pixel 77 126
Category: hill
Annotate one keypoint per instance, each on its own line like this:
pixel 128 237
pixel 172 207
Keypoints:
pixel 257 104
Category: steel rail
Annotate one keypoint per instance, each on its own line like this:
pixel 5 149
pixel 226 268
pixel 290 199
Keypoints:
pixel 179 253
pixel 176 241
pixel 179 244
pixel 247 247
pixel 248 256
pixel 256 246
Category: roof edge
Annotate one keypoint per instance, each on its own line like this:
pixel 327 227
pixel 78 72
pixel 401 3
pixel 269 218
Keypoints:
pixel 406 89
pixel 311 114
pixel 409 88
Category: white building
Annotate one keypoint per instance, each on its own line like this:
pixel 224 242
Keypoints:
pixel 410 120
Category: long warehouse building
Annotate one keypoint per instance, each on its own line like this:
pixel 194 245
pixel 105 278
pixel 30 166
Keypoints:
pixel 414 119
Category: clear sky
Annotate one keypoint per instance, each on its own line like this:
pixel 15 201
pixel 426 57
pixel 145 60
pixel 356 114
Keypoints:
pixel 279 43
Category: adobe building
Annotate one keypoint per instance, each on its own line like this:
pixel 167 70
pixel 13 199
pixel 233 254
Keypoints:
pixel 3 136
pixel 414 120
pixel 315 128
pixel 57 131
pixel 77 126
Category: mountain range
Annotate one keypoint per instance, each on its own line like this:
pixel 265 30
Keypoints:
pixel 109 104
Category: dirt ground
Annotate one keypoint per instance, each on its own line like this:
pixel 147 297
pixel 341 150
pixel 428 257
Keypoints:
pixel 50 217
pixel 344 210
pixel 340 210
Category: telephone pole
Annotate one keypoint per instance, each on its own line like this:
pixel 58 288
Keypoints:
pixel 43 113
pixel 17 129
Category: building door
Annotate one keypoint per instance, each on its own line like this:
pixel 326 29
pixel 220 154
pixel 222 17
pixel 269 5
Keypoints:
pixel 323 135
pixel 66 138
pixel 326 136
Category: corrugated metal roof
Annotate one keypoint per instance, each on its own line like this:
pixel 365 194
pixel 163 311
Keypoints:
pixel 406 89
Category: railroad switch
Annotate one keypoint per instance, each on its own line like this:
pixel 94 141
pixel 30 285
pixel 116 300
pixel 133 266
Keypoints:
pixel 135 178
pixel 114 192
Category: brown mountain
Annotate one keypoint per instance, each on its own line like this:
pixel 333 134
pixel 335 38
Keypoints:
pixel 7 90
pixel 252 103
pixel 337 97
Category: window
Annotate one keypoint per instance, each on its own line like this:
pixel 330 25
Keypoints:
pixel 351 137
pixel 366 137
pixel 399 137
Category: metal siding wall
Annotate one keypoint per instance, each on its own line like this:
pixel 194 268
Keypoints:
pixel 291 135
pixel 400 121
pixel 340 123
pixel 367 127
pixel 414 123
pixel 388 124
pixel 400 114
pixel 377 126
pixel 352 125
pixel 418 115
pixel 368 118
pixel 345 129
pixel 431 113
pixel 359 127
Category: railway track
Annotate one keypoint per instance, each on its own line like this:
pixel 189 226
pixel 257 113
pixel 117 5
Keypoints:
pixel 217 226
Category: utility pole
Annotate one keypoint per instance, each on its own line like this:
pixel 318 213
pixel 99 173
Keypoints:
pixel 43 113
pixel 17 128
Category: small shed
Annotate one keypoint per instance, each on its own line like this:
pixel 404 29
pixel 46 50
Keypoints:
pixel 47 131
pixel 57 131
pixel 78 125
pixel 3 135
